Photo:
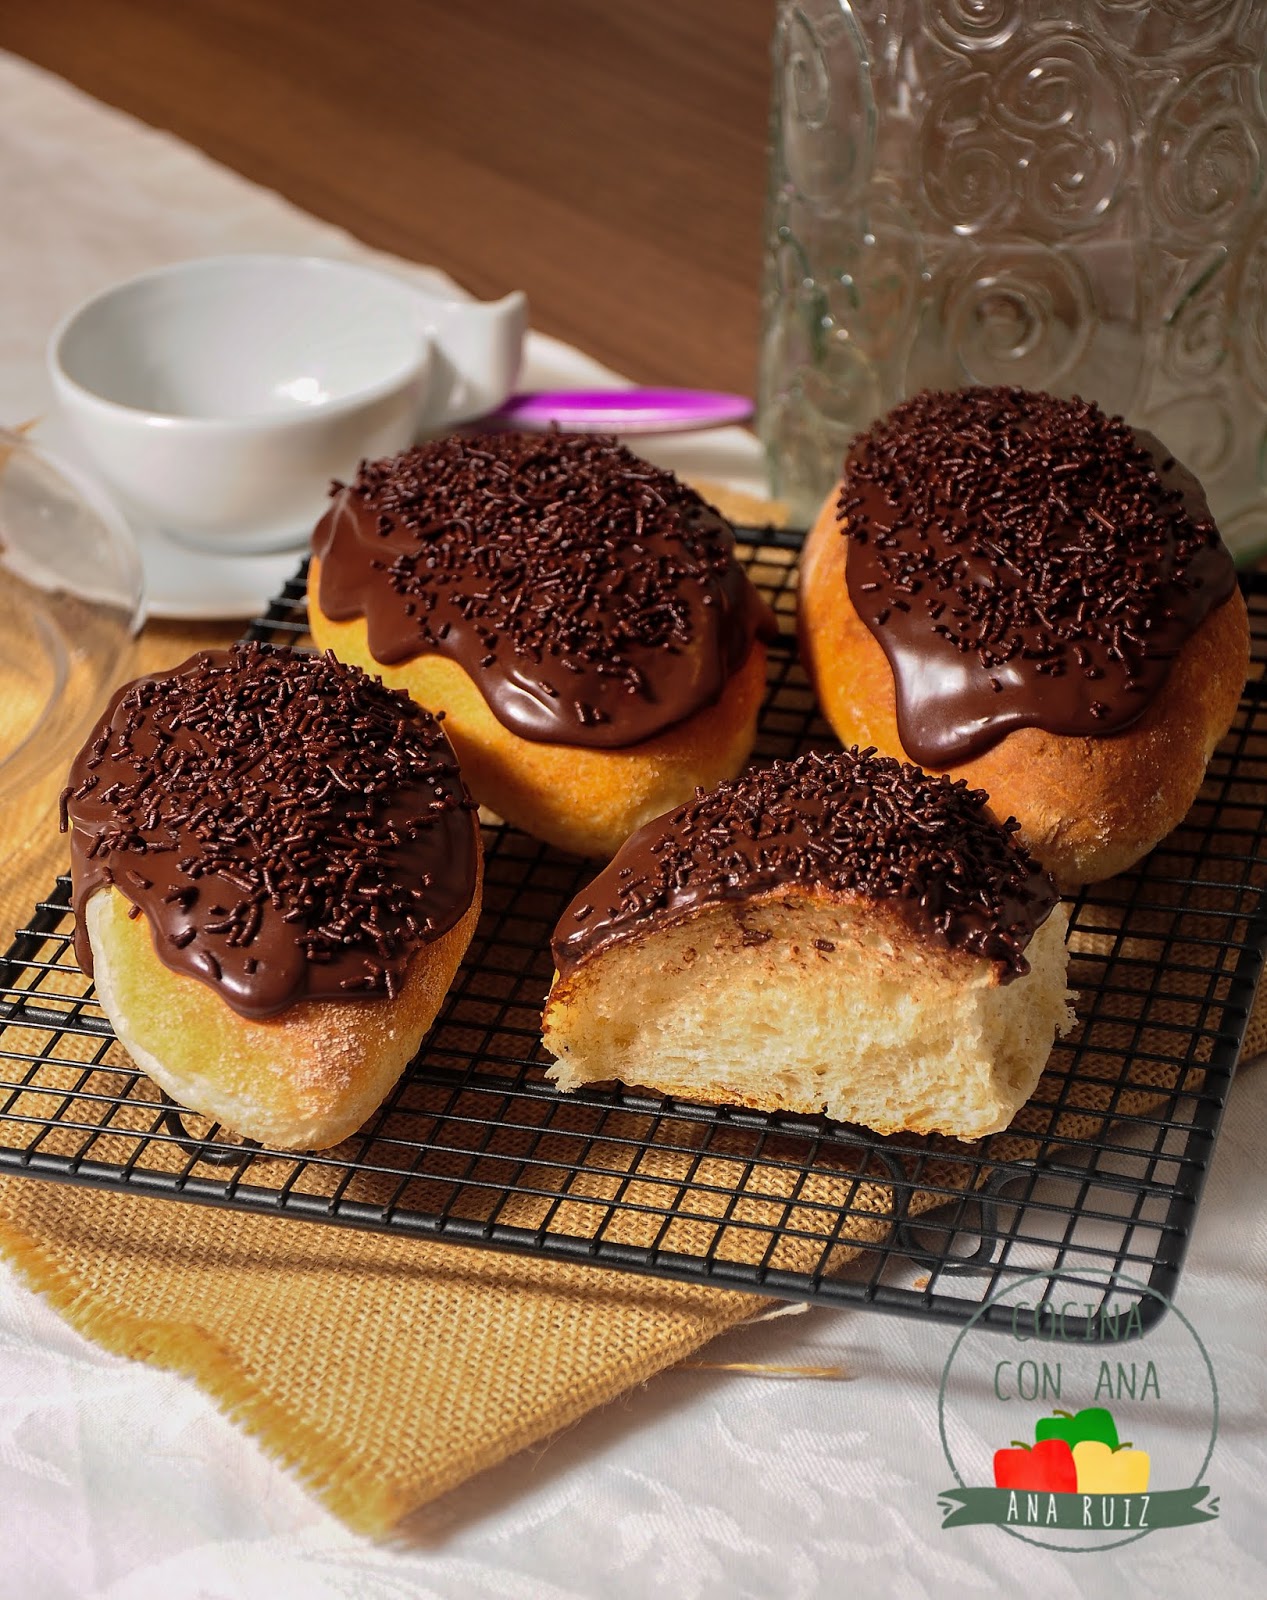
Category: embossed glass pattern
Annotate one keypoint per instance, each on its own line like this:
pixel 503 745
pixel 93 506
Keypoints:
pixel 1062 194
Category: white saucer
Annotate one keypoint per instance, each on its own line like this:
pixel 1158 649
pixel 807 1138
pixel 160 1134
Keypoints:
pixel 187 585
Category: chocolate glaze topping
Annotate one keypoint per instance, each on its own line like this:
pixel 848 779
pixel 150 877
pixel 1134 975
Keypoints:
pixel 289 828
pixel 1023 561
pixel 853 824
pixel 593 598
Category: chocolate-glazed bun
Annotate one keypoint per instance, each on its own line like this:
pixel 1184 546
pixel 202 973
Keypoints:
pixel 578 614
pixel 839 933
pixel 276 871
pixel 1032 596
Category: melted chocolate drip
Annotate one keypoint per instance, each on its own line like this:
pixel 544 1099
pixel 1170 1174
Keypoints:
pixel 1023 561
pixel 290 828
pixel 851 824
pixel 593 598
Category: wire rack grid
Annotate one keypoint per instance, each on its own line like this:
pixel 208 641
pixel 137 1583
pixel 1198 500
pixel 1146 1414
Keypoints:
pixel 1101 1172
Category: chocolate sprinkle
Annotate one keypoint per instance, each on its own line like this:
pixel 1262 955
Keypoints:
pixel 1023 561
pixel 593 598
pixel 290 828
pixel 853 824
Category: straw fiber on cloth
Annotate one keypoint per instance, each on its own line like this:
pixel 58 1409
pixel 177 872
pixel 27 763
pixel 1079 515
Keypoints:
pixel 387 1370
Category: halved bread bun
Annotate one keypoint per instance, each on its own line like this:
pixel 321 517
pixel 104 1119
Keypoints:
pixel 835 934
pixel 815 1003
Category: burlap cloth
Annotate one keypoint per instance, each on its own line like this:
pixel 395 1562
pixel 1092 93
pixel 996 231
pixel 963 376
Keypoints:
pixel 383 1370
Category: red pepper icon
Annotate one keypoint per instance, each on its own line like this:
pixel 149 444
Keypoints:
pixel 1047 1467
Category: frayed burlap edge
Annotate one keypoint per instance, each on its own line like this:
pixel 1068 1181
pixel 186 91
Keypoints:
pixel 354 1492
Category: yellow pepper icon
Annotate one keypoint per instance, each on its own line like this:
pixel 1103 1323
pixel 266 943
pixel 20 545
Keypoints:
pixel 1104 1471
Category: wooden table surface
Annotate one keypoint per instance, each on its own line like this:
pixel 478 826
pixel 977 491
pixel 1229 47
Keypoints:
pixel 607 156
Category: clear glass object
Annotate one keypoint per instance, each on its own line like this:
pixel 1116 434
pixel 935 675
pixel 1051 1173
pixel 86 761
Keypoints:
pixel 1061 194
pixel 70 608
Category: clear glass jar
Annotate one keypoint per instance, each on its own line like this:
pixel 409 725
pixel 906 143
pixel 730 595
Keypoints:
pixel 71 605
pixel 1067 195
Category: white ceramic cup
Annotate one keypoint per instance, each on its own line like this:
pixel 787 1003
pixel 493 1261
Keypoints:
pixel 218 398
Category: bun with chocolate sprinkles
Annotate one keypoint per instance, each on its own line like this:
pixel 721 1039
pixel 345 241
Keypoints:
pixel 276 872
pixel 1033 596
pixel 578 614
pixel 838 933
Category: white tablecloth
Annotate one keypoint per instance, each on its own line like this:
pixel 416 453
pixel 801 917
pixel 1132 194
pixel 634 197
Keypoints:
pixel 119 1480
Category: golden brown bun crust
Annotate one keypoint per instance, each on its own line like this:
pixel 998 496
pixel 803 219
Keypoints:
pixel 302 1080
pixel 1088 808
pixel 582 800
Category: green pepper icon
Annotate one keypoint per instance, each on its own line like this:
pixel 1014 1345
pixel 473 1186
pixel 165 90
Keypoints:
pixel 1093 1423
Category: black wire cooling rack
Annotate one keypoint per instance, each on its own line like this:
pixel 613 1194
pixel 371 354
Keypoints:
pixel 1103 1169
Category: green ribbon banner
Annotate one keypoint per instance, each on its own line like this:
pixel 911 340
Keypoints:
pixel 1096 1513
